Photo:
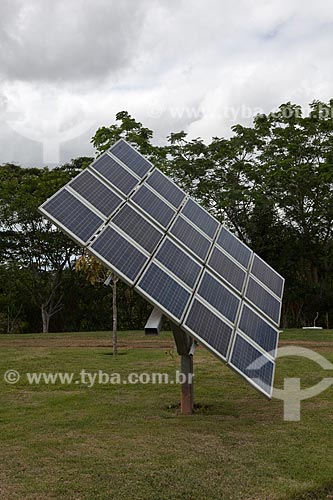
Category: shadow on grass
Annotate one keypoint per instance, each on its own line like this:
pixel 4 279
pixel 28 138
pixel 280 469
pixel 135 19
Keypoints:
pixel 324 492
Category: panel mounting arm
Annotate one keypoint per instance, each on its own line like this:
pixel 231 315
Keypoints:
pixel 154 323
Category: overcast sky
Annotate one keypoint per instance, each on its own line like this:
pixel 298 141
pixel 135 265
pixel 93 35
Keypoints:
pixel 68 66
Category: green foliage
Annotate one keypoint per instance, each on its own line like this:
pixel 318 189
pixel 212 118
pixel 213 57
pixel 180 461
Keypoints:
pixel 37 262
pixel 271 183
pixel 28 242
pixel 133 132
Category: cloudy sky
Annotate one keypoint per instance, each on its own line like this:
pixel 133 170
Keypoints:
pixel 68 66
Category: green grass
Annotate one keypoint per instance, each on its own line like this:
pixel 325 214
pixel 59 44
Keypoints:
pixel 129 442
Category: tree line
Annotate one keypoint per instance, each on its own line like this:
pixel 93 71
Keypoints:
pixel 270 183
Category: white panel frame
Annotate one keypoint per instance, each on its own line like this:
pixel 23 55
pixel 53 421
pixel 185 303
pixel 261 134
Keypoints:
pixel 151 299
pixel 210 306
pixel 147 215
pixel 61 226
pixel 88 203
pixel 269 393
pixel 256 307
pixel 189 250
pixel 106 181
pixel 112 267
pixel 271 354
pixel 185 197
pixel 226 251
pixel 177 278
pixel 109 151
pixel 190 198
pixel 224 280
pixel 128 237
pixel 197 336
pixel 256 256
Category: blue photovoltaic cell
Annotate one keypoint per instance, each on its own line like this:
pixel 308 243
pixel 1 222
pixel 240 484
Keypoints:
pixel 153 205
pixel 138 228
pixel 190 237
pixel 234 247
pixel 253 364
pixel 200 218
pixel 119 253
pixel 267 276
pixel 264 300
pixel 165 291
pixel 209 327
pixel 94 191
pixel 131 158
pixel 258 330
pixel 166 188
pixel 219 296
pixel 178 262
pixel 73 215
pixel 227 269
pixel 117 175
pixel 232 305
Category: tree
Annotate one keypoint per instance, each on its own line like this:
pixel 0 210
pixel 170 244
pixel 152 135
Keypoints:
pixel 11 304
pixel 97 273
pixel 133 132
pixel 27 239
pixel 272 184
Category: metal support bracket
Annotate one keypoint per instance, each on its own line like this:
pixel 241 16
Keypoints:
pixel 154 323
pixel 184 342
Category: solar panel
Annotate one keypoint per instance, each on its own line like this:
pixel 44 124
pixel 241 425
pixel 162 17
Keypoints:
pixel 252 364
pixel 267 276
pixel 94 191
pixel 72 216
pixel 153 206
pixel 138 228
pixel 142 226
pixel 234 247
pixel 200 218
pixel 178 262
pixel 166 188
pixel 117 175
pixel 131 158
pixel 208 327
pixel 119 254
pixel 164 291
pixel 263 300
pixel 227 269
pixel 259 330
pixel 190 237
pixel 218 296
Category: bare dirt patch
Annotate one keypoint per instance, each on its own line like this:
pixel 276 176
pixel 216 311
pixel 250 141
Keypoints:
pixel 309 344
pixel 55 343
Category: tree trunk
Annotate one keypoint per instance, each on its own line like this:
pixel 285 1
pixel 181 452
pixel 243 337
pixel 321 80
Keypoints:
pixel 8 320
pixel 114 315
pixel 45 319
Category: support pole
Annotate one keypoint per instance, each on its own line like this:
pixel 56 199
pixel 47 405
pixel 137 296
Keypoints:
pixel 185 348
pixel 186 402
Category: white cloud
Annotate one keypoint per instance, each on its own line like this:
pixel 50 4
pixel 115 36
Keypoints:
pixel 202 66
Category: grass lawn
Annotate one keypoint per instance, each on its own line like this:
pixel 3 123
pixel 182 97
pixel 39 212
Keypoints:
pixel 129 442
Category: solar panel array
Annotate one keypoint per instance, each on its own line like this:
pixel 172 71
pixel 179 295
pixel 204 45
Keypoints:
pixel 144 228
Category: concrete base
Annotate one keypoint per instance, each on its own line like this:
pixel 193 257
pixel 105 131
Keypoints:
pixel 312 328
